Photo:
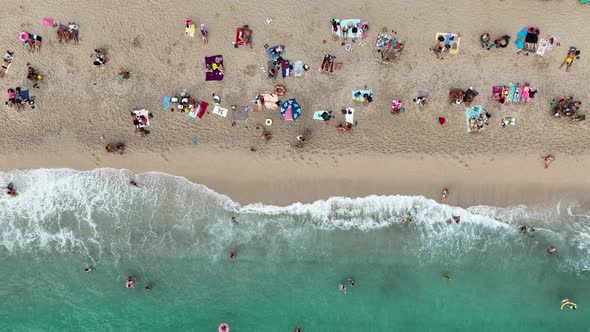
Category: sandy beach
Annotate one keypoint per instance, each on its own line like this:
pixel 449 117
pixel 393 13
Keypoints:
pixel 81 108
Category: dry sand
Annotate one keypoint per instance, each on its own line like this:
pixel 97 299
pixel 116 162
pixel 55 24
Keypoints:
pixel 406 154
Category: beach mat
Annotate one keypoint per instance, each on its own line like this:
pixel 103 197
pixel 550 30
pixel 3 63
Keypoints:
pixel 349 117
pixel 358 95
pixel 166 103
pixel 220 111
pixel 454 45
pixel 298 68
pixel 239 37
pixel 198 111
pixel 317 115
pixel 216 75
pixel 190 31
pixel 349 23
pixel 241 113
pixel 146 114
pixel 271 55
pixel 472 113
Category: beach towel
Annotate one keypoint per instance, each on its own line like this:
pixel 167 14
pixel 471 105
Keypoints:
pixel 317 115
pixel 472 113
pixel 349 117
pixel 240 113
pixel 24 94
pixel 270 101
pixel 358 95
pixel 454 44
pixel 239 37
pixel 285 68
pixel 512 90
pixel 220 111
pixel 396 105
pixel 190 31
pixel 298 68
pixel 166 103
pixel 273 55
pixel 199 111
pixel 144 113
pixel 349 23
pixel 47 21
pixel 215 74
pixel 543 46
pixel 508 121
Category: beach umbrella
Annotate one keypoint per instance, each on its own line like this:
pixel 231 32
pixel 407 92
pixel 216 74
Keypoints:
pixel 290 110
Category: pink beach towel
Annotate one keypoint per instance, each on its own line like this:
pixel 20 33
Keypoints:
pixel 47 21
pixel 289 114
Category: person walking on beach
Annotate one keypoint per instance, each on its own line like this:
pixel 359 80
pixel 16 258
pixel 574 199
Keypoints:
pixel 548 159
pixel 445 194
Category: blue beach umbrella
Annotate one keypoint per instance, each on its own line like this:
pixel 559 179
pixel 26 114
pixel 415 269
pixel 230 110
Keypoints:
pixel 290 110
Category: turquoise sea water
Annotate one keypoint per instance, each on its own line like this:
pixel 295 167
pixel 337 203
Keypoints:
pixel 178 235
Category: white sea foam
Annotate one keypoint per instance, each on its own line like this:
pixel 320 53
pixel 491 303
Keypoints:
pixel 98 212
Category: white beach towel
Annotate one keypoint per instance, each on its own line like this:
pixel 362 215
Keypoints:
pixel 350 115
pixel 145 113
pixel 220 111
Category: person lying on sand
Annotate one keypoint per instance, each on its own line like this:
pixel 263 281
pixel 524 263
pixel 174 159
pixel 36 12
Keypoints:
pixel 572 54
pixel 548 159
pixel 485 39
pixel 439 48
pixel 6 63
pixel 247 35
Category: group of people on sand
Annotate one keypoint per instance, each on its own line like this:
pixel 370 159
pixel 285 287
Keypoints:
pixel 567 107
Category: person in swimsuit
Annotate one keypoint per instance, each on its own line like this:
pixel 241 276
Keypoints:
pixel 439 48
pixel 457 219
pixel 342 288
pixel 297 330
pixel 551 249
pixel 445 194
pixel 88 269
pixel 134 183
pixel 335 26
pixel 233 255
pixel 10 190
pixel 130 283
pixel 234 220
pixel 572 54
pixel 355 31
pixel 522 229
pixel 446 277
pixel 204 34
pixel 485 39
pixel 350 282
pixel 247 35
pixel 548 159
pixel 532 232
pixel 6 63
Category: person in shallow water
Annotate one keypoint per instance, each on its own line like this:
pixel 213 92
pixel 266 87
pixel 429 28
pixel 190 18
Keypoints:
pixel 130 282
pixel 88 269
pixel 233 255
pixel 350 282
pixel 234 220
pixel 296 329
pixel 532 232
pixel 134 183
pixel 446 277
pixel 522 229
pixel 148 287
pixel 568 303
pixel 551 249
pixel 342 288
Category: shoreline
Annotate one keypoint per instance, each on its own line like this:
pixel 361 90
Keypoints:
pixel 253 177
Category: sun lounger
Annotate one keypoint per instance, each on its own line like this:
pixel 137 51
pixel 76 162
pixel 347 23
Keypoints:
pixel 220 111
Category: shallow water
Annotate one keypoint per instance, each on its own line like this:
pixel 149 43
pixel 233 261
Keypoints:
pixel 178 235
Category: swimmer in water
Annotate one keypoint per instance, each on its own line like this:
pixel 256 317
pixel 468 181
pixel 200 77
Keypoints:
pixel 342 288
pixel 566 302
pixel 457 219
pixel 350 282
pixel 297 330
pixel 233 255
pixel 446 277
pixel 522 229
pixel 234 220
pixel 88 269
pixel 551 249
pixel 407 220
pixel 134 183
pixel 130 283
pixel 532 232
pixel 148 287
pixel 10 190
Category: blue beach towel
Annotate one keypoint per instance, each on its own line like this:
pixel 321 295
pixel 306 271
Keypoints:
pixel 358 95
pixel 271 55
pixel 166 103
pixel 472 113
pixel 512 90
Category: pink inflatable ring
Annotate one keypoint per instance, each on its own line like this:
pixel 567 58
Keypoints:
pixel 223 327
pixel 23 36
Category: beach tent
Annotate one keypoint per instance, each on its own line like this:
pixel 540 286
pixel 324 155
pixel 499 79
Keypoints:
pixel 290 110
